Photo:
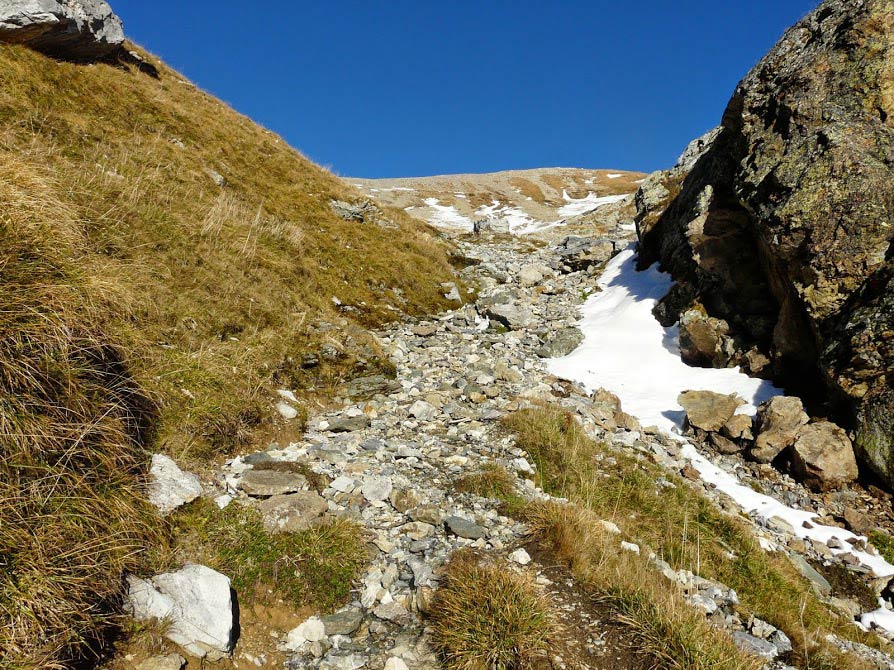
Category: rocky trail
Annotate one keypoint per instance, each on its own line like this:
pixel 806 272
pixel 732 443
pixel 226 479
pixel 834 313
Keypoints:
pixel 390 458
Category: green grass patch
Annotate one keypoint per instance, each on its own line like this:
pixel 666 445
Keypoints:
pixel 315 567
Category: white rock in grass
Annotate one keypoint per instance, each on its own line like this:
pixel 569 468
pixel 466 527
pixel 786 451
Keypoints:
pixel 610 527
pixel 286 411
pixel 629 546
pixel 394 663
pixel 520 556
pixel 196 602
pixel 169 486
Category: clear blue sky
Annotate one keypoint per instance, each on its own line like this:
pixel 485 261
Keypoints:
pixel 417 87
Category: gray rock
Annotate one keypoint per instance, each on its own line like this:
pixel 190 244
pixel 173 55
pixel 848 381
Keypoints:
pixel 580 253
pixel 292 513
pixel 344 622
pixel 169 486
pixel 196 603
pixel 348 424
pixel 511 315
pixel 392 611
pixel 754 645
pixel 464 528
pixel 819 583
pixel 263 483
pixel 73 29
pixel 561 343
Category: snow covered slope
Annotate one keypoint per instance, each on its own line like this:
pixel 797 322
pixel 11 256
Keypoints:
pixel 518 201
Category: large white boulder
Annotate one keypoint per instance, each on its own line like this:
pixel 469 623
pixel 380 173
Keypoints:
pixel 76 29
pixel 197 604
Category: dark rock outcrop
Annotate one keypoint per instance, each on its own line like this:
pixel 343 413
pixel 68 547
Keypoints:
pixel 782 224
pixel 70 29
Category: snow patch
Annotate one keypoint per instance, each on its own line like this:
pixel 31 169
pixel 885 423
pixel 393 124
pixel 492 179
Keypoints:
pixel 447 215
pixel 591 201
pixel 613 175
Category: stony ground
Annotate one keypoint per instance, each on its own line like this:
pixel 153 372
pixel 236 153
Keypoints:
pixel 389 458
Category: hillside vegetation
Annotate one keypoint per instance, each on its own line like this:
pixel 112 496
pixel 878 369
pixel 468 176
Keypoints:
pixel 145 305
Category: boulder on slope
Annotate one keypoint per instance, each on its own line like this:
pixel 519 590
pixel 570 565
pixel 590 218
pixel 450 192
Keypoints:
pixel 709 410
pixel 72 29
pixel 823 457
pixel 778 420
pixel 782 225
pixel 196 602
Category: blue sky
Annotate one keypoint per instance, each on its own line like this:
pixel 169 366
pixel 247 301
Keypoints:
pixel 408 88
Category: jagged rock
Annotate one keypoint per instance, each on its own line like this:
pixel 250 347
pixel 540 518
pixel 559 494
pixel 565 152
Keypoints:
pixel 755 645
pixel 708 410
pixel 823 458
pixel 263 483
pixel 580 253
pixel 73 29
pixel 511 315
pixel 464 528
pixel 779 420
pixel 819 583
pixel 292 513
pixel 704 340
pixel 169 486
pixel 376 489
pixel 348 424
pixel 196 604
pixel 561 343
pixel 783 226
pixel 723 445
pixel 739 427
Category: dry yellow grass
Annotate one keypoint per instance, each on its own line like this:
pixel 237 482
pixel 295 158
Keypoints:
pixel 682 527
pixel 142 305
pixel 486 617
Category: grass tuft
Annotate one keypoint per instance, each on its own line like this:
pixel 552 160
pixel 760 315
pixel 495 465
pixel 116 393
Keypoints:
pixel 486 617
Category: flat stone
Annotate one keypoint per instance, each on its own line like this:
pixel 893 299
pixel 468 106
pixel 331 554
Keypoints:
pixel 293 512
pixel 376 489
pixel 392 611
pixel 169 486
pixel 311 630
pixel 754 645
pixel 464 528
pixel 708 410
pixel 264 483
pixel 343 623
pixel 348 424
pixel 423 410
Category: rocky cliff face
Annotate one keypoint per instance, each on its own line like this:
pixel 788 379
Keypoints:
pixel 73 29
pixel 780 226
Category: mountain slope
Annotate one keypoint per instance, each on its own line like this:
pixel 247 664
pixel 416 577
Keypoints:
pixel 521 200
pixel 166 266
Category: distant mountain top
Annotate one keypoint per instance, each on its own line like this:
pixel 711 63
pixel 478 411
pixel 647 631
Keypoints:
pixel 522 200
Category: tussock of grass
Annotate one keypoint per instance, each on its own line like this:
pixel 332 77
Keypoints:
pixel 143 305
pixel 679 524
pixel 486 617
pixel 315 567
pixel 492 481
pixel 664 627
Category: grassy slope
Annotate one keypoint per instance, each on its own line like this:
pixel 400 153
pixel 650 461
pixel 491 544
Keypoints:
pixel 682 527
pixel 143 305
